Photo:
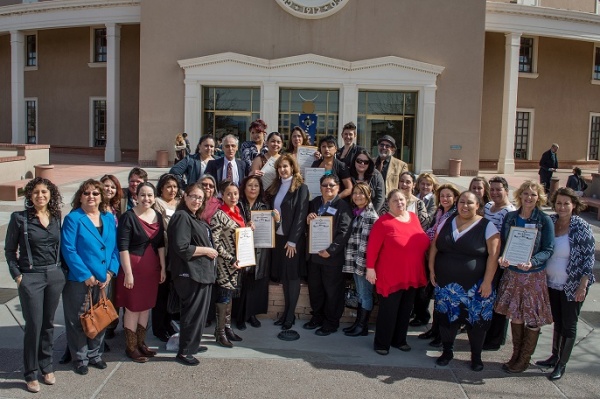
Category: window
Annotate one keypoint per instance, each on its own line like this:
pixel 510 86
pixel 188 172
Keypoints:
pixel 98 122
pixel 388 113
pixel 523 127
pixel 324 103
pixel 230 110
pixel 31 120
pixel 99 45
pixel 596 71
pixel 526 55
pixel 31 50
pixel 594 137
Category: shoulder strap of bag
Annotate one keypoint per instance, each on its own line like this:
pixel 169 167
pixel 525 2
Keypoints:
pixel 26 233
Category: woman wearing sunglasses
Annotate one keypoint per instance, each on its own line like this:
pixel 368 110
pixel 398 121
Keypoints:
pixel 362 169
pixel 89 247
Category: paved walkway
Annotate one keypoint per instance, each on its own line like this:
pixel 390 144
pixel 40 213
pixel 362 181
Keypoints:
pixel 263 366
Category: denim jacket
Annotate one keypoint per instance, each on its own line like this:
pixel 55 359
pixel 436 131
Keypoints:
pixel 544 240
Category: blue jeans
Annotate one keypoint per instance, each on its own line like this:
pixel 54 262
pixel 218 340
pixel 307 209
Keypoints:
pixel 364 289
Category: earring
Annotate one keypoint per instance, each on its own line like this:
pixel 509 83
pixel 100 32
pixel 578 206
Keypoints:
pixel 28 204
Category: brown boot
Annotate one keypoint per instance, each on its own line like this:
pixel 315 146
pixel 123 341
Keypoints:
pixel 517 339
pixel 530 339
pixel 132 350
pixel 141 344
pixel 220 335
pixel 231 335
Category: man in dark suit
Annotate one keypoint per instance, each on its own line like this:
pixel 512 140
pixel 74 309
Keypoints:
pixel 228 167
pixel 548 164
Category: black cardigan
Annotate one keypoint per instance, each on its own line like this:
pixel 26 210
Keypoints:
pixel 185 233
pixel 341 231
pixel 132 237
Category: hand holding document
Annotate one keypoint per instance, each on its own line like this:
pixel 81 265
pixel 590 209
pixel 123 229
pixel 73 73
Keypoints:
pixel 305 157
pixel 264 229
pixel 244 247
pixel 320 234
pixel 519 246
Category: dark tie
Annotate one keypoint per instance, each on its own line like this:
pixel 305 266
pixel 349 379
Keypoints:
pixel 229 171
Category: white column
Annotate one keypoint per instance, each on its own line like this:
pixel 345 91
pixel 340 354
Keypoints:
pixel 506 161
pixel 348 109
pixel 192 112
pixel 424 140
pixel 112 153
pixel 269 107
pixel 17 86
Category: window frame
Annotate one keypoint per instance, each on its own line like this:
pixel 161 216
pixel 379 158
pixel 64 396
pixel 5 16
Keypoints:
pixel 595 81
pixel 93 63
pixel 531 112
pixel 589 141
pixel 26 50
pixel 26 100
pixel 534 57
pixel 92 117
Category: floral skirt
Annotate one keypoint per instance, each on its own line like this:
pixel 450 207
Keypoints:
pixel 524 296
pixel 465 305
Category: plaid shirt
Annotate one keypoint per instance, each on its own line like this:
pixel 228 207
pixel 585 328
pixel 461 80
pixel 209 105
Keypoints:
pixel 356 249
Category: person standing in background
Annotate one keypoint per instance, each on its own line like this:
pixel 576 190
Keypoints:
pixel 548 165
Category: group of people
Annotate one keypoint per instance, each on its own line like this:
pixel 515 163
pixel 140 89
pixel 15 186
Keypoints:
pixel 404 237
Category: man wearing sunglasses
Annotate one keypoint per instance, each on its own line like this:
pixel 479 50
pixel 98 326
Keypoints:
pixel 390 167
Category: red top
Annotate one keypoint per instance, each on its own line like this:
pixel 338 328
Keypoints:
pixel 396 250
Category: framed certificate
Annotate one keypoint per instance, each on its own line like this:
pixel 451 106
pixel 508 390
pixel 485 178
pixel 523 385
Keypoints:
pixel 305 157
pixel 519 246
pixel 312 177
pixel 269 173
pixel 320 233
pixel 264 229
pixel 244 247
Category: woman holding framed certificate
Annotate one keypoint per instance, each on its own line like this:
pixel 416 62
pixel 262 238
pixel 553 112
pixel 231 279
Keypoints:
pixel 325 277
pixel 523 291
pixel 569 275
pixel 223 224
pixel 289 199
pixel 254 296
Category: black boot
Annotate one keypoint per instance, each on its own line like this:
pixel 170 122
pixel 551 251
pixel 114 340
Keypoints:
pixel 353 326
pixel 363 325
pixel 447 355
pixel 553 359
pixel 566 347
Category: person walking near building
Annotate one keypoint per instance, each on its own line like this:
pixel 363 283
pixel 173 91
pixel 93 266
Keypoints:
pixel 548 165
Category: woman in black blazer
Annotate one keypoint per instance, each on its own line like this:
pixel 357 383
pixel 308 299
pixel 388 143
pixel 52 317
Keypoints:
pixel 325 277
pixel 288 197
pixel 193 267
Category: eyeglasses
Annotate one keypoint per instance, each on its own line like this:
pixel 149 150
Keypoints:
pixel 362 161
pixel 88 193
pixel 208 185
pixel 195 198
pixel 383 145
pixel 330 185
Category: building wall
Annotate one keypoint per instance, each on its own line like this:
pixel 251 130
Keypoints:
pixel 5 106
pixel 63 84
pixel 573 5
pixel 422 30
pixel 562 97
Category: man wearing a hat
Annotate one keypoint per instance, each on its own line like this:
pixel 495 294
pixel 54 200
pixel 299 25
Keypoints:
pixel 390 167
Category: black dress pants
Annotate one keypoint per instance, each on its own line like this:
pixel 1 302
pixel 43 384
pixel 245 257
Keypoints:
pixel 39 293
pixel 195 301
pixel 391 327
pixel 564 313
pixel 326 292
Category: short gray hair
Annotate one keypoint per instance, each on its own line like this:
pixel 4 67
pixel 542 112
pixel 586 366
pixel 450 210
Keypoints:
pixel 231 136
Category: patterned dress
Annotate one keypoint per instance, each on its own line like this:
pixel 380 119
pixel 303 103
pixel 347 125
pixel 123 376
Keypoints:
pixel 459 269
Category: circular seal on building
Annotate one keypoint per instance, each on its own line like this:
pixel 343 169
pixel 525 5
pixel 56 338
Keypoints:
pixel 312 9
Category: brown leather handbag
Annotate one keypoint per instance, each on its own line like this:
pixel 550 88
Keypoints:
pixel 97 317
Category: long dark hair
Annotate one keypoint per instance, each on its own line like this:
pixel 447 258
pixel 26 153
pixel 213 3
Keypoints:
pixel 305 141
pixel 370 169
pixel 114 202
pixel 163 180
pixel 54 203
pixel 202 140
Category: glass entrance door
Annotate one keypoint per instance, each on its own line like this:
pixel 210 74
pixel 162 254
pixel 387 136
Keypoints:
pixel 230 122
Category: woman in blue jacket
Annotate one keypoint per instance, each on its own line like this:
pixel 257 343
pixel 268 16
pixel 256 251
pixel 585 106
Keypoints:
pixel 89 247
